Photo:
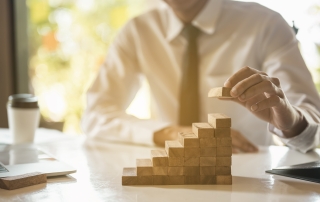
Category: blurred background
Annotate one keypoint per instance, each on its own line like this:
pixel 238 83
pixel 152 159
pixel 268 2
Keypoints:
pixel 69 39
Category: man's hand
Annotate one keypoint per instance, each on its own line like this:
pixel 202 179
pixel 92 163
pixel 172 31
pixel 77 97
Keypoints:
pixel 263 96
pixel 169 133
pixel 241 144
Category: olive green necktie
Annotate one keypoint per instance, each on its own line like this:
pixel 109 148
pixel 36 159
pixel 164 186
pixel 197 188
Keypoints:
pixel 189 96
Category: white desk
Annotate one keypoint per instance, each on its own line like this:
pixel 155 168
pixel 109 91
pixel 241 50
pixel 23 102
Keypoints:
pixel 100 166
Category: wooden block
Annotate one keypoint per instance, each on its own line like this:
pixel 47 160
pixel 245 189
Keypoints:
pixel 222 161
pixel 224 151
pixel 223 170
pixel 220 92
pixel 207 179
pixel 145 180
pixel 208 151
pixel 176 161
pixel 192 179
pixel 188 140
pixel 208 142
pixel 129 176
pixel 20 181
pixel 222 132
pixel 176 180
pixel 175 171
pixel 224 142
pixel 207 161
pixel 224 179
pixel 144 167
pixel 219 120
pixel 160 180
pixel 191 152
pixel 191 170
pixel 203 130
pixel 207 170
pixel 191 161
pixel 159 158
pixel 160 170
pixel 174 149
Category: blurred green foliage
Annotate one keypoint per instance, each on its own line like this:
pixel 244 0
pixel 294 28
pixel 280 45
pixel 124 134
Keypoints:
pixel 68 41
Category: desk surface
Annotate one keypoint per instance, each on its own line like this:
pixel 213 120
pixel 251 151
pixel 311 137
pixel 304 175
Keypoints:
pixel 100 164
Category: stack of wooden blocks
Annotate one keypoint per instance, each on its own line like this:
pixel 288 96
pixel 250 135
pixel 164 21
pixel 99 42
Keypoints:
pixel 202 156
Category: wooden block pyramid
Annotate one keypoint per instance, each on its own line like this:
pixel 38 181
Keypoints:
pixel 200 157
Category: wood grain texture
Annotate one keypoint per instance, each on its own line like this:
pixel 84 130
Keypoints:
pixel 208 142
pixel 218 120
pixel 224 179
pixel 192 179
pixel 203 130
pixel 223 170
pixel 176 161
pixel 160 180
pixel 191 170
pixel 159 158
pixel 174 149
pixel 176 180
pixel 144 167
pixel 207 170
pixel 145 180
pixel 174 171
pixel 222 132
pixel 20 181
pixel 224 142
pixel 192 152
pixel 191 161
pixel 129 176
pixel 208 179
pixel 224 151
pixel 220 92
pixel 208 152
pixel 188 140
pixel 160 170
pixel 223 161
pixel 207 161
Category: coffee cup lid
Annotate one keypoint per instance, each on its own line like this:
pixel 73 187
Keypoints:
pixel 23 101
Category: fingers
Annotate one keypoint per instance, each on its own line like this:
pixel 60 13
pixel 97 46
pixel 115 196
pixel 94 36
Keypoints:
pixel 272 101
pixel 240 143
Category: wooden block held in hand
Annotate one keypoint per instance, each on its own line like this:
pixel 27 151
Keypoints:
pixel 159 158
pixel 176 180
pixel 220 92
pixel 188 140
pixel 191 170
pixel 145 180
pixel 222 132
pixel 191 152
pixel 144 167
pixel 20 181
pixel 191 161
pixel 129 176
pixel 207 179
pixel 208 142
pixel 160 170
pixel 224 179
pixel 207 161
pixel 174 171
pixel 223 170
pixel 224 151
pixel 160 180
pixel 219 120
pixel 203 130
pixel 208 151
pixel 224 142
pixel 174 149
pixel 192 179
pixel 176 161
pixel 207 170
pixel 223 161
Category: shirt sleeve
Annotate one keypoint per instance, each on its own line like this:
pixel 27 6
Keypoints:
pixel 282 59
pixel 112 92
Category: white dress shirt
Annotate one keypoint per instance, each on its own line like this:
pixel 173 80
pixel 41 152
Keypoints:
pixel 233 35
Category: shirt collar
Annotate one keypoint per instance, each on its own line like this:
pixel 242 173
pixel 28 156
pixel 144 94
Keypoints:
pixel 206 20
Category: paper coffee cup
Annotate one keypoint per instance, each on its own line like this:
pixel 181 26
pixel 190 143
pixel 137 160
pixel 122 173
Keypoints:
pixel 23 116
